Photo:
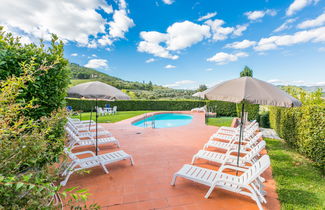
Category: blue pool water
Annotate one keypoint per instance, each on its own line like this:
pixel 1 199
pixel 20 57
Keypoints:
pixel 167 120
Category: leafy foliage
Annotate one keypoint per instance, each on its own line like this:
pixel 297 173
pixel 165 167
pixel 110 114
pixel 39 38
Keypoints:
pixel 247 72
pixel 252 109
pixel 303 127
pixel 48 89
pixel 220 107
pixel 202 88
pixel 31 124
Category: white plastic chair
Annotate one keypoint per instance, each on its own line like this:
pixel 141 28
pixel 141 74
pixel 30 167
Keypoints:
pixel 246 184
pixel 113 110
pixel 93 161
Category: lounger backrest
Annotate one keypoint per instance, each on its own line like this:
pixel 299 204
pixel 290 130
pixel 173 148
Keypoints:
pixel 253 140
pixel 72 135
pixel 254 151
pixel 70 154
pixel 255 170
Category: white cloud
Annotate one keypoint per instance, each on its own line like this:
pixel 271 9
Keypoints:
pixel 296 83
pixel 120 24
pixel 314 35
pixel 97 63
pixel 92 44
pixel 224 58
pixel 169 2
pixel 94 55
pixel 219 32
pixel 209 69
pixel 207 16
pixel 105 40
pixel 241 45
pixel 285 25
pixel 240 29
pixel 74 21
pixel 321 49
pixel 319 21
pixel 74 54
pixel 150 60
pixel 170 66
pixel 184 34
pixel 297 5
pixel 255 15
pixel 179 36
pixel 180 83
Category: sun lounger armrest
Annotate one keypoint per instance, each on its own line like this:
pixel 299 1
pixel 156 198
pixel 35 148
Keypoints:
pixel 84 152
pixel 235 151
pixel 235 168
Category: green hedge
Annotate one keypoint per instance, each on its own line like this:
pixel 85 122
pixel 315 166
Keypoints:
pixel 252 109
pixel 220 107
pixel 302 128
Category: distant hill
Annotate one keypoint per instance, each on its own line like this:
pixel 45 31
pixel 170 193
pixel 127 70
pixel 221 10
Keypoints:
pixel 136 90
pixel 82 74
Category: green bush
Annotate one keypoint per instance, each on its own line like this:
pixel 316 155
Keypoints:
pixel 252 109
pixel 48 89
pixel 303 127
pixel 220 107
pixel 264 120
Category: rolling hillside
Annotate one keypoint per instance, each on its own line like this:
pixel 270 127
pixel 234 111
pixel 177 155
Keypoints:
pixel 137 90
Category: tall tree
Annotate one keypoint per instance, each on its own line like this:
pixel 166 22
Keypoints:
pixel 247 72
pixel 202 88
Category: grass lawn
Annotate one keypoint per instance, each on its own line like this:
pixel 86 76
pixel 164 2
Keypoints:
pixel 300 185
pixel 120 115
pixel 220 121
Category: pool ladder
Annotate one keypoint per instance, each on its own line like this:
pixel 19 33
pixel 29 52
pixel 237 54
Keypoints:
pixel 151 123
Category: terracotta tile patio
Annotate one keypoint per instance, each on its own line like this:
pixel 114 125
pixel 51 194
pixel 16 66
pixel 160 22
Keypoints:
pixel 158 154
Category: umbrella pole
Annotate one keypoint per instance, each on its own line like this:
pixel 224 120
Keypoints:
pixel 240 133
pixel 91 116
pixel 96 128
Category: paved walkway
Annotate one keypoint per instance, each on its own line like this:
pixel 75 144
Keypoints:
pixel 158 154
pixel 269 133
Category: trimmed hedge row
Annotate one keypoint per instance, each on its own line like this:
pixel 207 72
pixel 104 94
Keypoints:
pixel 220 107
pixel 252 109
pixel 303 128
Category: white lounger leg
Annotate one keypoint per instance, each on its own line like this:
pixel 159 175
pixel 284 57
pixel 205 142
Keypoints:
pixel 131 160
pixel 174 180
pixel 210 191
pixel 193 159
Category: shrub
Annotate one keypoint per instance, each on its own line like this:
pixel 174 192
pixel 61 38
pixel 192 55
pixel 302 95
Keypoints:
pixel 48 89
pixel 303 127
pixel 252 109
pixel 264 120
pixel 220 107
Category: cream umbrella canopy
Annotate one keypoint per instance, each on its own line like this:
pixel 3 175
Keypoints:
pixel 249 90
pixel 96 90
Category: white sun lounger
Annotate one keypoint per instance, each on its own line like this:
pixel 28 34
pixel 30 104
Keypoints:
pixel 93 161
pixel 75 140
pixel 245 184
pixel 85 132
pixel 247 143
pixel 228 158
pixel 231 130
pixel 229 136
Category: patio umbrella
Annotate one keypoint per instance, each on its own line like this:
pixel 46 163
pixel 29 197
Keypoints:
pixel 249 90
pixel 97 90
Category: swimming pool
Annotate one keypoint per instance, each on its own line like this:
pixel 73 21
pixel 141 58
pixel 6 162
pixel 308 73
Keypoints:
pixel 166 120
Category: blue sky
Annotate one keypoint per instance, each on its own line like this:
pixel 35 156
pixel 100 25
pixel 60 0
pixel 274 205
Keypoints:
pixel 182 43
